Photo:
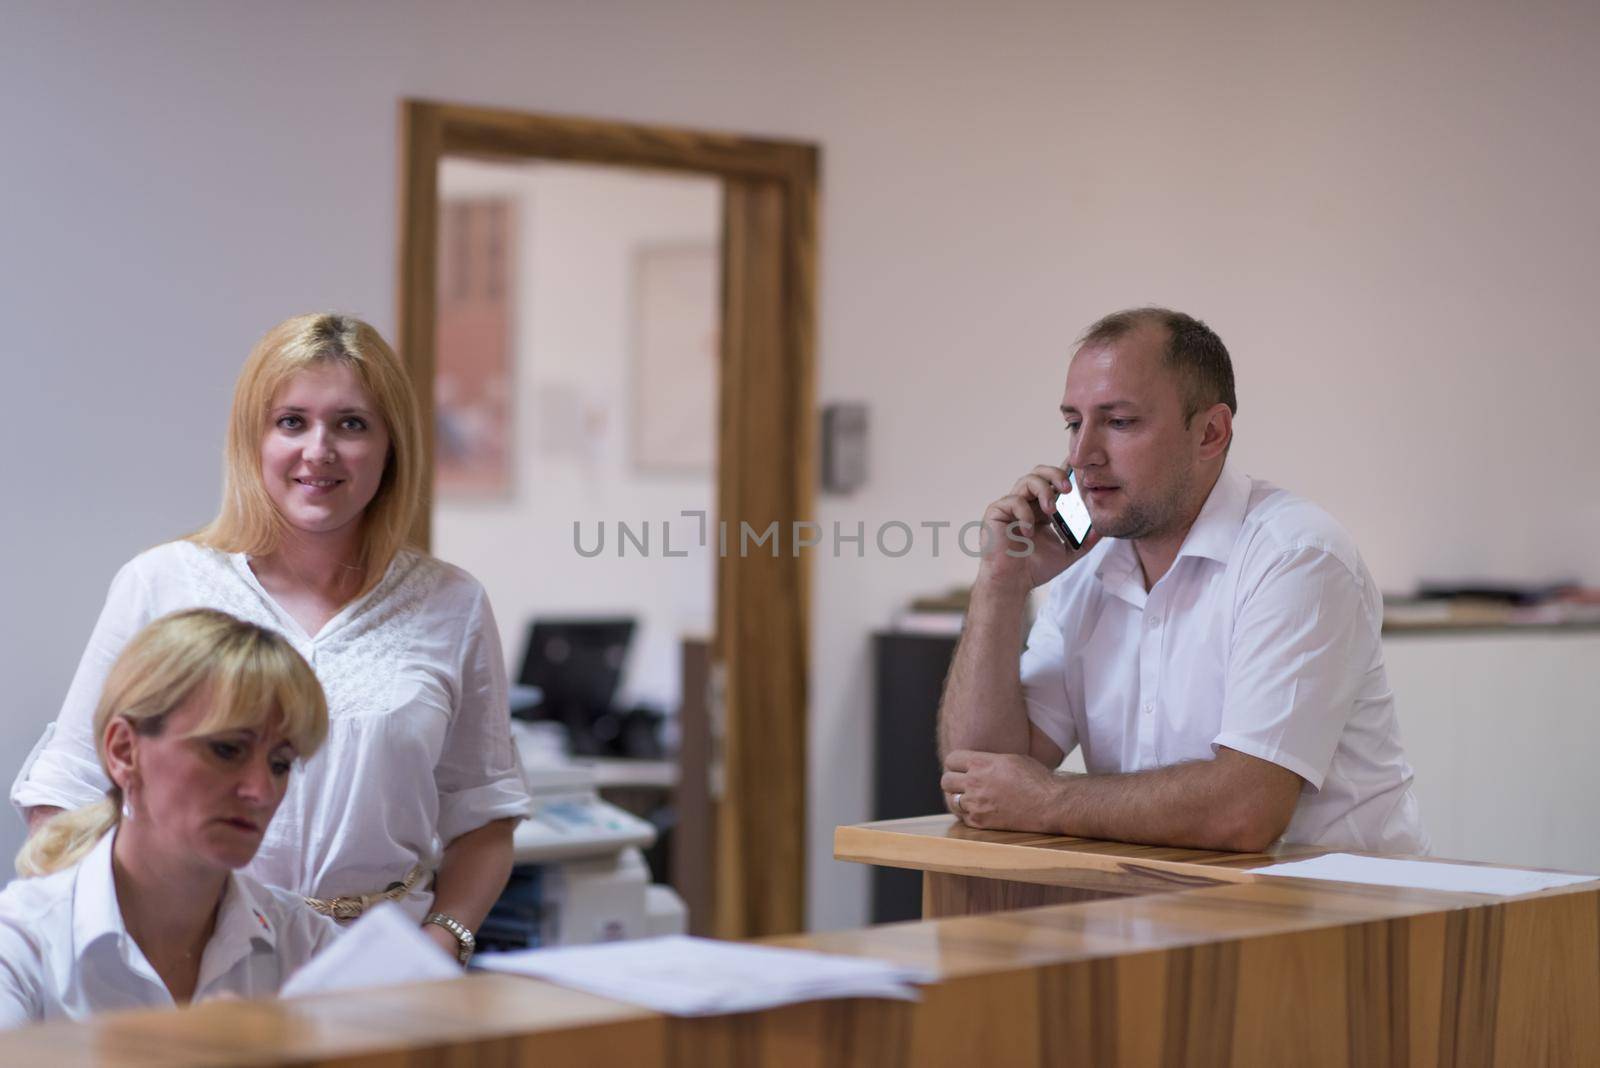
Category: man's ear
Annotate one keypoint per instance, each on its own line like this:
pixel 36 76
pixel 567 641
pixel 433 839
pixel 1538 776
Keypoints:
pixel 1217 431
pixel 121 747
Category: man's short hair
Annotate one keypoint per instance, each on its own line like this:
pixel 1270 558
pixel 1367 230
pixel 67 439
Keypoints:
pixel 1194 351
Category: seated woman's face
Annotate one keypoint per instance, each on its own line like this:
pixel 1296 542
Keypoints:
pixel 209 797
pixel 324 450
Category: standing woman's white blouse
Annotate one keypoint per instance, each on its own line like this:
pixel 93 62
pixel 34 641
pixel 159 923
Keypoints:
pixel 419 744
pixel 65 952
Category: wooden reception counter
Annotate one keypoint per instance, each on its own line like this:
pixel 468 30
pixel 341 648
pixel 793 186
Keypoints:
pixel 1195 959
pixel 967 871
pixel 1185 958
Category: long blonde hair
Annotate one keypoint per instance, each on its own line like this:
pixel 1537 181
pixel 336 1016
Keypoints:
pixel 252 676
pixel 247 521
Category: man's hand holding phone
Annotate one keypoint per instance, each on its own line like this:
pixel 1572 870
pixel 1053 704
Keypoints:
pixel 1023 546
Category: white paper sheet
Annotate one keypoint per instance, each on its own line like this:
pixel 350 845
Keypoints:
pixel 385 947
pixel 697 976
pixel 1423 874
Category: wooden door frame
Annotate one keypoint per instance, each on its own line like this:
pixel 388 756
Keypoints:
pixel 765 450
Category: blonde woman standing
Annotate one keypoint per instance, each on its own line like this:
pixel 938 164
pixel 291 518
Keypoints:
pixel 134 900
pixel 415 795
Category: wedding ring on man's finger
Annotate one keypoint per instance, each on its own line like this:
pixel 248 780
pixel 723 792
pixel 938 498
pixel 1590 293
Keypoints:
pixel 957 803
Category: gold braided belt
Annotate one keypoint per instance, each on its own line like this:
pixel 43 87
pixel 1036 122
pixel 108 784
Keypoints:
pixel 348 908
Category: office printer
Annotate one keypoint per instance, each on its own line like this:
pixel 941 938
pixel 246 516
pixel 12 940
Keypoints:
pixel 578 875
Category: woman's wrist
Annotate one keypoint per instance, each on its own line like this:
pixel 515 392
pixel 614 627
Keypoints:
pixel 454 936
pixel 441 938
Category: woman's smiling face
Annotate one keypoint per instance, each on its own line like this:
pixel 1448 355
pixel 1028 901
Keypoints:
pixel 324 450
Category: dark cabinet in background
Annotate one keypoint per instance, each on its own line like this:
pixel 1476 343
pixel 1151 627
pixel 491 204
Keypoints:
pixel 909 676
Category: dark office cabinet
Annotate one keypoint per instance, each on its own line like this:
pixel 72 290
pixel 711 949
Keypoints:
pixel 910 671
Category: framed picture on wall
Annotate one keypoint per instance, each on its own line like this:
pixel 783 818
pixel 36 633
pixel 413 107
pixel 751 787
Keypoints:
pixel 676 353
pixel 473 378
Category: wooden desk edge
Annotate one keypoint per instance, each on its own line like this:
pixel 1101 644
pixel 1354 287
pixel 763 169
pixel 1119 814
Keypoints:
pixel 439 1023
pixel 865 844
pixel 405 1025
pixel 886 844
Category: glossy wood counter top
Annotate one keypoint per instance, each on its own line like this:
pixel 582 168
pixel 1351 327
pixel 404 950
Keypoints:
pixel 944 844
pixel 1247 970
pixel 955 857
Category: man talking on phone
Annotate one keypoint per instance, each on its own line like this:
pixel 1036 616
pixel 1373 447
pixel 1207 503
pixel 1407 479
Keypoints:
pixel 1213 646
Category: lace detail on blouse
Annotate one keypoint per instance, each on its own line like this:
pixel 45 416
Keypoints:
pixel 359 660
pixel 358 663
pixel 217 586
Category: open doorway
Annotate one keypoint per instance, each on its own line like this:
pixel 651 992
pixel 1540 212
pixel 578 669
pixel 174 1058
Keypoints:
pixel 575 412
pixel 569 425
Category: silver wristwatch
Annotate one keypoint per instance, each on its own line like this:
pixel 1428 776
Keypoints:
pixel 465 941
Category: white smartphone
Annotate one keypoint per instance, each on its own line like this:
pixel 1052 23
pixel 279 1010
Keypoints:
pixel 1070 519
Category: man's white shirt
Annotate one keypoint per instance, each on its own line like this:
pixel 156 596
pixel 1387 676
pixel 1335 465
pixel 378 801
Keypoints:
pixel 1263 637
pixel 65 951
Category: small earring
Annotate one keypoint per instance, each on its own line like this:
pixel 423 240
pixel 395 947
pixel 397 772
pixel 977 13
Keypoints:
pixel 127 811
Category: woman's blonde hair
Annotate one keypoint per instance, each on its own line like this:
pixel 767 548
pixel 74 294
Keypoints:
pixel 248 522
pixel 252 677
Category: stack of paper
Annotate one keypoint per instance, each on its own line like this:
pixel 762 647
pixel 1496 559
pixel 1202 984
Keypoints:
pixel 385 947
pixel 1424 874
pixel 698 977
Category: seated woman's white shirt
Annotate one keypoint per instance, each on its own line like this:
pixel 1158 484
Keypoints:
pixel 419 746
pixel 65 952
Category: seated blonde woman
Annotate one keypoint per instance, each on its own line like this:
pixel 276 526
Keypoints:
pixel 137 900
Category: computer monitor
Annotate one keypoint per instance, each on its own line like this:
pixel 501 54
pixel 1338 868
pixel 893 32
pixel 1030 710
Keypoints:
pixel 577 663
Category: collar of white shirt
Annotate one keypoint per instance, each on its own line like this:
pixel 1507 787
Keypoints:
pixel 1213 536
pixel 96 916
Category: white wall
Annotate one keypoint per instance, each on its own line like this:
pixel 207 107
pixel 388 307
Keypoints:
pixel 578 230
pixel 1386 210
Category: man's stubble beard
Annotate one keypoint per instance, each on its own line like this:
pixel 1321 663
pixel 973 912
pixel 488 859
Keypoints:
pixel 1150 517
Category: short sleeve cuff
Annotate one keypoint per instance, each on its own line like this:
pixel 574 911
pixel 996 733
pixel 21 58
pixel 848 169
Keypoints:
pixel 1056 725
pixel 1251 747
pixel 467 810
pixel 60 780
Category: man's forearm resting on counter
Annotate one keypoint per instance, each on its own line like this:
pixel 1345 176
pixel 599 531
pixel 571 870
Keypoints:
pixel 1236 802
pixel 982 706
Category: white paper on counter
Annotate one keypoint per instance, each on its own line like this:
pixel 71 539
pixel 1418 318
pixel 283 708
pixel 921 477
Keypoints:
pixel 687 976
pixel 385 947
pixel 1423 874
